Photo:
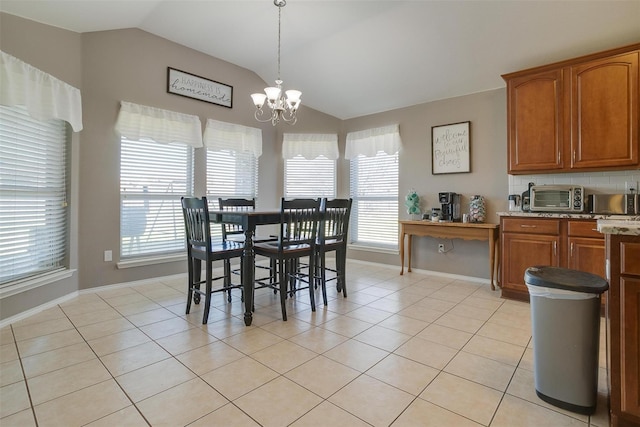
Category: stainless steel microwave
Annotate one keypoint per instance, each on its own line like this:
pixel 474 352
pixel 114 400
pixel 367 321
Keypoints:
pixel 557 198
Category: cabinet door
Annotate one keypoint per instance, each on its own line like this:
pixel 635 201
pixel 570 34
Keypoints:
pixel 629 347
pixel 604 112
pixel 521 251
pixel 587 254
pixel 535 116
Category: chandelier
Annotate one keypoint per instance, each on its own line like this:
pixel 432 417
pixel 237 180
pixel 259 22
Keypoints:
pixel 284 106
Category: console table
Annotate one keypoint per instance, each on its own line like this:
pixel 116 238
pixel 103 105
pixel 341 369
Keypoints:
pixel 452 230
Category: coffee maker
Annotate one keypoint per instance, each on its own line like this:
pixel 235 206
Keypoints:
pixel 450 206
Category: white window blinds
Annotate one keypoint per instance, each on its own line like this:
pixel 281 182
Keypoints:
pixel 33 209
pixel 232 160
pixel 156 170
pixel 374 187
pixel 309 165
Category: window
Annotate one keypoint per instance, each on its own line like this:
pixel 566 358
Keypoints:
pixel 231 174
pixel 153 178
pixel 33 208
pixel 309 165
pixel 309 178
pixel 156 170
pixel 374 189
pixel 374 170
pixel 232 161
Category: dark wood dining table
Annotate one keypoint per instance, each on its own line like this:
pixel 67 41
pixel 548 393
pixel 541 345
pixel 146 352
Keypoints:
pixel 248 220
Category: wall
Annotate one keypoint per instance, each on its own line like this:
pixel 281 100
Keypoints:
pixel 488 177
pixel 57 52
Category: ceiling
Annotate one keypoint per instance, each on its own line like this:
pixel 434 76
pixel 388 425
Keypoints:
pixel 351 58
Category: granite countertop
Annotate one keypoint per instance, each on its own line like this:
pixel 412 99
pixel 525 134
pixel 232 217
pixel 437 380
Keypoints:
pixel 613 226
pixel 619 218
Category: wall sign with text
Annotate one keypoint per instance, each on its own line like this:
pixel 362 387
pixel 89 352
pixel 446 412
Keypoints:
pixel 196 87
pixel 451 148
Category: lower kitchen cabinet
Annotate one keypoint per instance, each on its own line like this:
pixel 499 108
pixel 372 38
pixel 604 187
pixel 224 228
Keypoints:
pixel 557 242
pixel 623 256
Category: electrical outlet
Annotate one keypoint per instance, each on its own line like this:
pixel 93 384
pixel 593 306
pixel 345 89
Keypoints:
pixel 108 256
pixel 440 248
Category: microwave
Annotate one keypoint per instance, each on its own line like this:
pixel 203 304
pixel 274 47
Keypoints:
pixel 556 198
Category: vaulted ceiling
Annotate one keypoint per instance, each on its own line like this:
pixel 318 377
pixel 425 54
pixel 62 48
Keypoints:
pixel 356 57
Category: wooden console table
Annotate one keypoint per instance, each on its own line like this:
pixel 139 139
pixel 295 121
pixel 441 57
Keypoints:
pixel 453 230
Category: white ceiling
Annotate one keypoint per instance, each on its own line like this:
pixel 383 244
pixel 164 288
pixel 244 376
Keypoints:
pixel 356 57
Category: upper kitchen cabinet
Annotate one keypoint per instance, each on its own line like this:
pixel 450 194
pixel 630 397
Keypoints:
pixel 575 115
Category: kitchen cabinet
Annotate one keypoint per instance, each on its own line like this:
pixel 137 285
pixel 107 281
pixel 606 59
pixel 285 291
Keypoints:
pixel 575 115
pixel 623 257
pixel 558 242
pixel 526 242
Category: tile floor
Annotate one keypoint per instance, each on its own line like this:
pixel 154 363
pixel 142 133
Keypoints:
pixel 412 350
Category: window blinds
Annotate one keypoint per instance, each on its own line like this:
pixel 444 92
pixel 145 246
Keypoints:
pixel 374 186
pixel 33 212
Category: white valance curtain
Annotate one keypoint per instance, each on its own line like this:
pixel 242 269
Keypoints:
pixel 44 96
pixel 310 145
pixel 370 141
pixel 221 136
pixel 163 126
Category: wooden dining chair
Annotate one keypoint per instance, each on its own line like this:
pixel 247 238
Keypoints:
pixel 296 239
pixel 201 248
pixel 332 237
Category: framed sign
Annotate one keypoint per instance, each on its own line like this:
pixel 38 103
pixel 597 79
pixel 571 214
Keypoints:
pixel 450 146
pixel 196 87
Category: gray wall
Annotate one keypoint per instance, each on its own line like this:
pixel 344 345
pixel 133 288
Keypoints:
pixel 488 177
pixel 131 65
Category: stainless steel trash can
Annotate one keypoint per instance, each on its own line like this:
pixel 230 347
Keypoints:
pixel 565 321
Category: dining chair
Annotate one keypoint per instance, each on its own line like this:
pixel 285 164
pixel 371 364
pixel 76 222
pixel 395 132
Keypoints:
pixel 332 237
pixel 235 232
pixel 296 240
pixel 201 248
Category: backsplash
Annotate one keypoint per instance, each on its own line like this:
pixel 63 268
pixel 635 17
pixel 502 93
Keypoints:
pixel 593 182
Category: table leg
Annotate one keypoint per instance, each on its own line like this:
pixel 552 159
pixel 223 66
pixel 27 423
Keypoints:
pixel 401 253
pixel 492 256
pixel 409 252
pixel 248 271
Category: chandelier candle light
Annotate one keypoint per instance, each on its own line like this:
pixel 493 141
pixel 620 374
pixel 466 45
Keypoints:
pixel 283 106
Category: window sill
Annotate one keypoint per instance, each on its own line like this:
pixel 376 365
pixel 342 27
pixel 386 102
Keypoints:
pixel 379 250
pixel 35 282
pixel 141 262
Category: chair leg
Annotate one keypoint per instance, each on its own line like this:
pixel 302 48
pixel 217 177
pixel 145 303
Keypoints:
pixel 321 259
pixel 189 284
pixel 341 267
pixel 312 293
pixel 207 297
pixel 197 274
pixel 283 288
pixel 227 278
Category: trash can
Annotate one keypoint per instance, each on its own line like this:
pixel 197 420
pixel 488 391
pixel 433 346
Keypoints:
pixel 565 323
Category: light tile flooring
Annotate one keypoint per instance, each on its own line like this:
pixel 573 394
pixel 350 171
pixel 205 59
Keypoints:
pixel 412 350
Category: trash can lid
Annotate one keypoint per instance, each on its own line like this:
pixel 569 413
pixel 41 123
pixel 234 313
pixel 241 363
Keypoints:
pixel 564 278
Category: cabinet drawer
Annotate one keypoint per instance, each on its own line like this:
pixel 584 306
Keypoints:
pixel 629 256
pixel 531 226
pixel 584 229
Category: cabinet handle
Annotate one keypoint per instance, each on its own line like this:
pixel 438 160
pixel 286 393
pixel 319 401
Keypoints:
pixel 527 226
pixel 571 250
pixel 555 248
pixel 574 156
pixel 558 156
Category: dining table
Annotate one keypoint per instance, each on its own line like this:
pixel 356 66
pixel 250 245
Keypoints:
pixel 249 221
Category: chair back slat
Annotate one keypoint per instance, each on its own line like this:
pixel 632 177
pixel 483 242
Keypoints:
pixel 299 222
pixel 335 215
pixel 236 205
pixel 196 221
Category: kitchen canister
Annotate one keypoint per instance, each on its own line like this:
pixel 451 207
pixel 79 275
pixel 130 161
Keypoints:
pixel 477 209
